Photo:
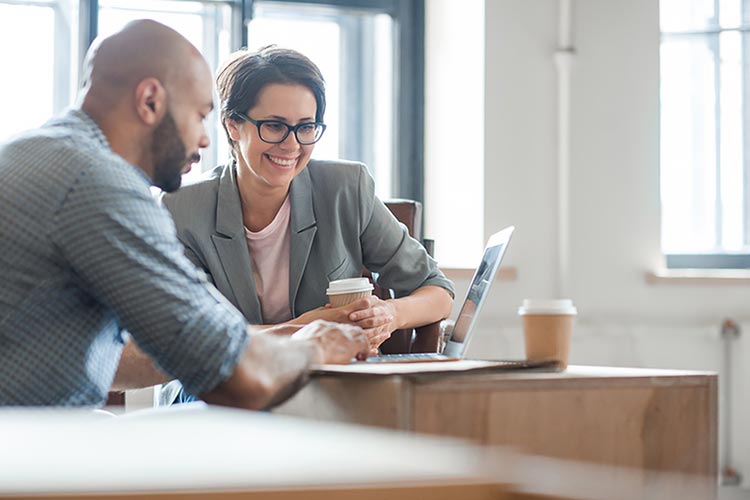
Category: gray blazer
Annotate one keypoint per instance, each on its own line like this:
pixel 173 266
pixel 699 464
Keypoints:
pixel 338 226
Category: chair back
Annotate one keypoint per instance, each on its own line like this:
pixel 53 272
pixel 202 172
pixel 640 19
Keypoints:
pixel 409 213
pixel 422 339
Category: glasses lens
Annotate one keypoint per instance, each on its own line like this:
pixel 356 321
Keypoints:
pixel 309 133
pixel 273 131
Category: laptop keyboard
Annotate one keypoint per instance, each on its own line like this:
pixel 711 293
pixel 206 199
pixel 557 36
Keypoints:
pixel 410 358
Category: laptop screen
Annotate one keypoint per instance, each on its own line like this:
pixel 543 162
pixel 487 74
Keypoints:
pixel 477 293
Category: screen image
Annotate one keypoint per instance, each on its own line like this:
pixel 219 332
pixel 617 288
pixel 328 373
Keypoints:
pixel 477 292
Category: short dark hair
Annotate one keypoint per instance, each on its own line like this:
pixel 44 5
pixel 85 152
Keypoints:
pixel 246 73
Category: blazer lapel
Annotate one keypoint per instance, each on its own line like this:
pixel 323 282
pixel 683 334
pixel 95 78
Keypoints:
pixel 303 227
pixel 229 241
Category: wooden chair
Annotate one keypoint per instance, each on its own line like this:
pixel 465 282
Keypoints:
pixel 424 338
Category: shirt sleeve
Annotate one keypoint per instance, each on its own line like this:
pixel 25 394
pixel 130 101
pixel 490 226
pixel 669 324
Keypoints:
pixel 123 249
pixel 401 262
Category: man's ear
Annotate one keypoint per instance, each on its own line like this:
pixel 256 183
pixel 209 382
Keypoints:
pixel 150 101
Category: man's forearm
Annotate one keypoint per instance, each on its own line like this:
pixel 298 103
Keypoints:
pixel 271 370
pixel 288 328
pixel 136 370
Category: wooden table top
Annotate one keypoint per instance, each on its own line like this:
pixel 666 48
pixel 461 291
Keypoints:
pixel 477 373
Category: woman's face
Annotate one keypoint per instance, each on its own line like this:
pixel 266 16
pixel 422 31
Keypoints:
pixel 274 165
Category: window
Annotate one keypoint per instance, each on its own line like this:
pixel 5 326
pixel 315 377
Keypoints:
pixel 705 122
pixel 39 40
pixel 354 52
pixel 370 52
pixel 206 24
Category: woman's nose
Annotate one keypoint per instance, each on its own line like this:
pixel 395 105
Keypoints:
pixel 290 142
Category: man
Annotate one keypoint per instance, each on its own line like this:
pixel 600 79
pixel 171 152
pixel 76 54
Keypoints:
pixel 86 252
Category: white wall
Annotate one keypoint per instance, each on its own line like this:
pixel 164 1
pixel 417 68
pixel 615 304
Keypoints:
pixel 614 211
pixel 520 146
pixel 454 131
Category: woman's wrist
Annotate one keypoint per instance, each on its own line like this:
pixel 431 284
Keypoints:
pixel 396 305
pixel 305 318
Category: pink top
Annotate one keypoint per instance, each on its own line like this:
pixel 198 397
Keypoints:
pixel 269 253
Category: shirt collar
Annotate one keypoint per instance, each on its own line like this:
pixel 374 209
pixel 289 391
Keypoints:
pixel 91 129
pixel 89 125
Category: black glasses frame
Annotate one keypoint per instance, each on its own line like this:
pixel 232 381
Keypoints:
pixel 289 129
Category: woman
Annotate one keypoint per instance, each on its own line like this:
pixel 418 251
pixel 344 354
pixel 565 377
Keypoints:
pixel 273 227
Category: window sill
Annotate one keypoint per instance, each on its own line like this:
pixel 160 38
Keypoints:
pixel 465 273
pixel 698 276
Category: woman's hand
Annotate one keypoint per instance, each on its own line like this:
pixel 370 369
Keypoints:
pixel 328 313
pixel 376 317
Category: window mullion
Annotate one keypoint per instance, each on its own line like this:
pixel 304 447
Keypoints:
pixel 366 29
pixel 718 215
pixel 62 62
pixel 745 129
pixel 242 14
pixel 351 103
pixel 210 49
pixel 89 20
pixel 409 117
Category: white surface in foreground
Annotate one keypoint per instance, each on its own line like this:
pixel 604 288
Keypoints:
pixel 193 447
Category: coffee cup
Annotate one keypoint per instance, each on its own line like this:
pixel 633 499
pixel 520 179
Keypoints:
pixel 547 329
pixel 346 291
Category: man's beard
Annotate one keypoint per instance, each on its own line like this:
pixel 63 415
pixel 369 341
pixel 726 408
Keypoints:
pixel 169 154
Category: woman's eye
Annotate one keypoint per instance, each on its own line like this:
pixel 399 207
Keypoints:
pixel 276 127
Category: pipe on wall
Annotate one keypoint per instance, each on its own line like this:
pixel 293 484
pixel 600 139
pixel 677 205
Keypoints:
pixel 563 61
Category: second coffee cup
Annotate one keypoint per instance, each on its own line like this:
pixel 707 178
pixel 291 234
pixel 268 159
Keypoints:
pixel 342 292
pixel 547 329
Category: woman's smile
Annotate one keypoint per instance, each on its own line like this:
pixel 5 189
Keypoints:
pixel 282 162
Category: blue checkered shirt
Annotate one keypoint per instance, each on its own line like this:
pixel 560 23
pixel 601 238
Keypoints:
pixel 85 252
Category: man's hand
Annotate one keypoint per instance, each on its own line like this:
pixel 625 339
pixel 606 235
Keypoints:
pixel 375 316
pixel 337 343
pixel 274 367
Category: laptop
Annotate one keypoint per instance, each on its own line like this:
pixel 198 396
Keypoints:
pixel 481 283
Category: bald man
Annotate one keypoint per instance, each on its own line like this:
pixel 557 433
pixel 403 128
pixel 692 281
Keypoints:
pixel 87 254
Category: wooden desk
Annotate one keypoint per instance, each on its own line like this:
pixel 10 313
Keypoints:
pixel 654 420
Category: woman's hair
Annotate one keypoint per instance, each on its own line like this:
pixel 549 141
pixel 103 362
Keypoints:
pixel 245 74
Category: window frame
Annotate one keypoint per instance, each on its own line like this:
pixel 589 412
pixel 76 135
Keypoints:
pixel 89 11
pixel 408 126
pixel 62 58
pixel 721 259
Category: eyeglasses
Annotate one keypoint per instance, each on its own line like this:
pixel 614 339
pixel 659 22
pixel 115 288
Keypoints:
pixel 276 132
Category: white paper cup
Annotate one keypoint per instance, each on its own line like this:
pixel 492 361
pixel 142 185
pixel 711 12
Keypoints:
pixel 346 291
pixel 548 328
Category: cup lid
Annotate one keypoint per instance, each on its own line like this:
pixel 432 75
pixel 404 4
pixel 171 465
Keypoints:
pixel 349 285
pixel 547 306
